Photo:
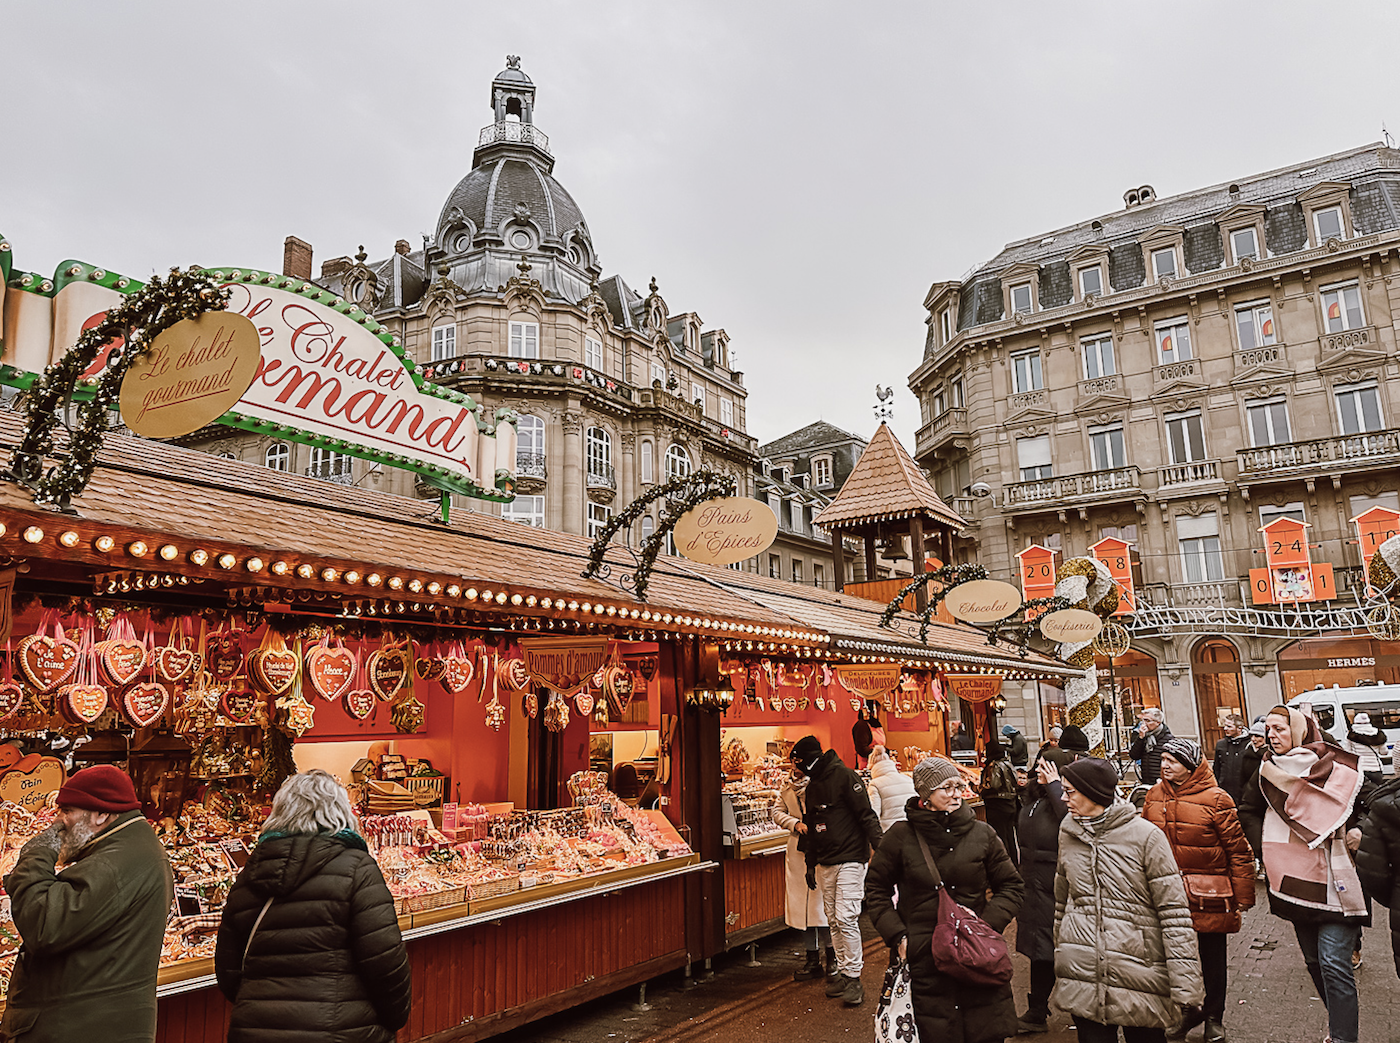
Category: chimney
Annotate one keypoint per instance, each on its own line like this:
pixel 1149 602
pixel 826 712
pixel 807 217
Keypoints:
pixel 402 247
pixel 296 258
pixel 334 266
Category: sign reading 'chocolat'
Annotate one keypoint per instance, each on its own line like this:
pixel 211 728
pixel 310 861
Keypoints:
pixel 726 530
pixel 193 374
pixel 982 601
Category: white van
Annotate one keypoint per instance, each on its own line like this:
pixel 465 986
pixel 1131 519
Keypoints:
pixel 1335 707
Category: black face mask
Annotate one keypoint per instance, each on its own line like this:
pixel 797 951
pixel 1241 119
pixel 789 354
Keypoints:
pixel 806 769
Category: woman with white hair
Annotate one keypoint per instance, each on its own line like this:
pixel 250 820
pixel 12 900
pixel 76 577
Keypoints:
pixel 309 945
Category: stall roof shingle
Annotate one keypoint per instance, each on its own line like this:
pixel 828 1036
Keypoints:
pixel 885 484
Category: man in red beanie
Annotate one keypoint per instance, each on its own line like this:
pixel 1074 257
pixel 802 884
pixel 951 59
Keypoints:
pixel 92 931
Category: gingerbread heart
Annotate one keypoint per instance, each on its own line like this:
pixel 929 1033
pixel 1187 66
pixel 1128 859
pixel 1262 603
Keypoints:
pixel 83 703
pixel 330 671
pixel 274 670
pixel 225 658
pixel 176 664
pixel 428 669
pixel 11 698
pixel 359 704
pixel 531 705
pixel 145 704
pixel 122 661
pixel 47 661
pixel 583 702
pixel 388 670
pixel 456 674
pixel 238 705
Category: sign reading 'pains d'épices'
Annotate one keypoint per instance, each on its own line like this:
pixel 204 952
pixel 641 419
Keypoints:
pixel 726 530
pixel 192 375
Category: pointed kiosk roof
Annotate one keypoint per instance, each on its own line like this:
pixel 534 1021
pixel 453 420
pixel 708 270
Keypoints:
pixel 886 485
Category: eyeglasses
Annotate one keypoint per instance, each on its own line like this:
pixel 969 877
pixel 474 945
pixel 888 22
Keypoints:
pixel 951 786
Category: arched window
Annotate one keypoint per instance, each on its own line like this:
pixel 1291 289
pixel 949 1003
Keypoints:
pixel 227 456
pixel 648 527
pixel 599 449
pixel 278 456
pixel 529 446
pixel 677 463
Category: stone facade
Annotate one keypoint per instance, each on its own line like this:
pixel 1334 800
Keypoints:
pixel 1178 374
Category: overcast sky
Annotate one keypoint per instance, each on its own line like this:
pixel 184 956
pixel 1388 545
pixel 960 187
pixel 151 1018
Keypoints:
pixel 796 173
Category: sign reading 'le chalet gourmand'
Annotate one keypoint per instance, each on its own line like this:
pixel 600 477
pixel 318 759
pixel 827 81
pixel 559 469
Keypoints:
pixel 329 375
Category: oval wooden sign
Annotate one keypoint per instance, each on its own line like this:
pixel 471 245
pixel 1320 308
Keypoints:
pixel 194 373
pixel 1072 625
pixel 982 600
pixel 726 530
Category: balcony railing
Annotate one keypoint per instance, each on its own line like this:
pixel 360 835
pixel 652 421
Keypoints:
pixel 1190 369
pixel 1371 447
pixel 1118 483
pixel 1186 474
pixel 529 465
pixel 946 426
pixel 1206 592
pixel 1268 355
pixel 1112 384
pixel 338 473
pixel 1027 399
pixel 548 371
pixel 601 477
pixel 1364 337
pixel 517 133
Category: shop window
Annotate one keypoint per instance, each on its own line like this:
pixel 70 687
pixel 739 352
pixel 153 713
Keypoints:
pixel 524 340
pixel 1215 668
pixel 444 342
pixel 1255 323
pixel 277 458
pixel 527 510
pixel 1098 357
pixel 1033 457
pixel 1173 341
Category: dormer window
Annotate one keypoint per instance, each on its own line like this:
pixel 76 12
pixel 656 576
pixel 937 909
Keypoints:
pixel 1327 206
pixel 1164 263
pixel 1244 243
pixel 1328 224
pixel 1091 282
pixel 1021 299
pixel 945 325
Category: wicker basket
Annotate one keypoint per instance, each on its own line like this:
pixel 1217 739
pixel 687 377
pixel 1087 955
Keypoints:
pixel 426 789
pixel 494 888
pixel 437 900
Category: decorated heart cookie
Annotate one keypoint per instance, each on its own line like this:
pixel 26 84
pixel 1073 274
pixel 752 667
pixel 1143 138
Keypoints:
pixel 583 702
pixel 122 661
pixel 30 781
pixel 225 659
pixel 330 671
pixel 790 704
pixel 11 699
pixel 238 705
pixel 145 704
pixel 359 703
pixel 388 670
pixel 428 669
pixel 47 661
pixel 531 705
pixel 512 675
pixel 82 703
pixel 274 670
pixel 618 687
pixel 176 664
pixel 456 674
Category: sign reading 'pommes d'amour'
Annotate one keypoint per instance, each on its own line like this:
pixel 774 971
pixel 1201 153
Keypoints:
pixel 726 530
pixel 192 375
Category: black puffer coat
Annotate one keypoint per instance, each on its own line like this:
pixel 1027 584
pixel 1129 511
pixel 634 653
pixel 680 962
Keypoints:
pixel 1378 861
pixel 1229 765
pixel 841 824
pixel 327 964
pixel 1147 750
pixel 971 861
pixel 1038 831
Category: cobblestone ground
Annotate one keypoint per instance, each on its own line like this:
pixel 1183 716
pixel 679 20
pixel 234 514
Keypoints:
pixel 1271 998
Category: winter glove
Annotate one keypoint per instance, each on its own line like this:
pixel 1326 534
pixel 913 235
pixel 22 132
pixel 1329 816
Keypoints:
pixel 811 879
pixel 48 840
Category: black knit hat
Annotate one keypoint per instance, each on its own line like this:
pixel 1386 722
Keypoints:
pixel 1074 739
pixel 1094 778
pixel 806 749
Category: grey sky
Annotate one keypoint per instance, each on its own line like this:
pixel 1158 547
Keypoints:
pixel 798 173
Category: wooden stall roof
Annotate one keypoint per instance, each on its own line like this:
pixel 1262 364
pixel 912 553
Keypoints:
pixel 167 492
pixel 885 485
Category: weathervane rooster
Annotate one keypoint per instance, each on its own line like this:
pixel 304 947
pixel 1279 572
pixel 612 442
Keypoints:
pixel 883 409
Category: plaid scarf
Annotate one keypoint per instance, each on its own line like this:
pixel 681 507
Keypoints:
pixel 1310 791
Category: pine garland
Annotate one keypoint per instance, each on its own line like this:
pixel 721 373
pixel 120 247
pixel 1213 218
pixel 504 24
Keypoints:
pixel 278 762
pixel 951 576
pixel 138 320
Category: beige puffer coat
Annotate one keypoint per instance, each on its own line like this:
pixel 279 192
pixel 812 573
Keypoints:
pixel 1125 947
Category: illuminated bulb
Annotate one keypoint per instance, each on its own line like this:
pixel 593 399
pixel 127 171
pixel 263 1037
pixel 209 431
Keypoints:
pixel 471 594
pixel 486 595
pixel 517 600
pixel 396 583
pixel 666 618
pixel 137 549
pixel 34 534
pixel 374 579
pixel 253 564
pixel 3 529
pixel 69 539
pixel 329 575
pixel 501 598
pixel 352 576
pixel 586 607
pixel 454 591
pixel 646 615
pixel 197 557
pixel 227 561
pixel 415 585
pixel 280 568
pixel 435 588
pixel 531 601
pixel 634 613
pixel 547 603
pixel 573 606
pixel 305 571
pixel 612 610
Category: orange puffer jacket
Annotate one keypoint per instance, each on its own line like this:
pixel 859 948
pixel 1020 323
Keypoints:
pixel 1199 820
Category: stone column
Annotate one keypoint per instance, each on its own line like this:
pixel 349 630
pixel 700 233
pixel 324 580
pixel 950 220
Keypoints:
pixel 627 471
pixel 573 519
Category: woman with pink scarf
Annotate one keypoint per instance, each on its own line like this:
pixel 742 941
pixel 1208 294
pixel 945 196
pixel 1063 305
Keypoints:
pixel 1303 814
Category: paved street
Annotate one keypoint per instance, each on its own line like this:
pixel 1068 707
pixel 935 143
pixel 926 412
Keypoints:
pixel 1271 998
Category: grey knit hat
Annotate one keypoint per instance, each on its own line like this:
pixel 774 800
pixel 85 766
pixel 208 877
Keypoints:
pixel 1184 752
pixel 932 772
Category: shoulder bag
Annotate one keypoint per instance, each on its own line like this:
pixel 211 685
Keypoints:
pixel 1210 893
pixel 256 924
pixel 965 947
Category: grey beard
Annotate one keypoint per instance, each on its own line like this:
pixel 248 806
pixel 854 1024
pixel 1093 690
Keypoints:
pixel 74 839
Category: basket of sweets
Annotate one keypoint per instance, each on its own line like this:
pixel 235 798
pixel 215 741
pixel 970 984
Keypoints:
pixel 503 885
pixel 421 903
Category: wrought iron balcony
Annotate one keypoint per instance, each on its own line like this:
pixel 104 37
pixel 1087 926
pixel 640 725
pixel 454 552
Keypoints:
pixel 530 465
pixel 1120 483
pixel 337 472
pixel 948 426
pixel 515 133
pixel 1350 452
pixel 546 371
pixel 1206 592
pixel 601 476
pixel 1188 474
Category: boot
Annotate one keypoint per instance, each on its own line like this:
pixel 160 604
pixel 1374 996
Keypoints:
pixel 1190 1018
pixel 1215 1032
pixel 1027 1026
pixel 831 972
pixel 811 969
pixel 836 986
pixel 853 993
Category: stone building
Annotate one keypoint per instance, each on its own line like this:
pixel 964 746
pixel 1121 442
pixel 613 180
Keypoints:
pixel 507 301
pixel 1179 373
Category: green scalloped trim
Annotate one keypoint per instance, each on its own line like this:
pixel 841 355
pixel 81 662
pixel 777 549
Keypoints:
pixel 71 271
pixel 7 260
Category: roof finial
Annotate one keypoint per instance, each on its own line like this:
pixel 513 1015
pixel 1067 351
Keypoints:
pixel 523 267
pixel 361 256
pixel 653 284
pixel 1389 141
pixel 512 61
pixel 883 410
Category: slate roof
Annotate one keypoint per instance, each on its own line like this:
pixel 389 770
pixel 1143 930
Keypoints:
pixel 816 434
pixel 160 492
pixel 490 193
pixel 886 484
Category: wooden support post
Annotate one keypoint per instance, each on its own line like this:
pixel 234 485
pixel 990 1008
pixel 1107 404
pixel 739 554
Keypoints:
pixel 916 549
pixel 870 556
pixel 838 558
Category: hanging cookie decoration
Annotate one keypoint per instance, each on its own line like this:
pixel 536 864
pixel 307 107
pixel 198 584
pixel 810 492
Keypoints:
pixel 330 668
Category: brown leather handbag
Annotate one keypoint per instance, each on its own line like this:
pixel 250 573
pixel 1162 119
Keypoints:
pixel 1210 893
pixel 965 947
